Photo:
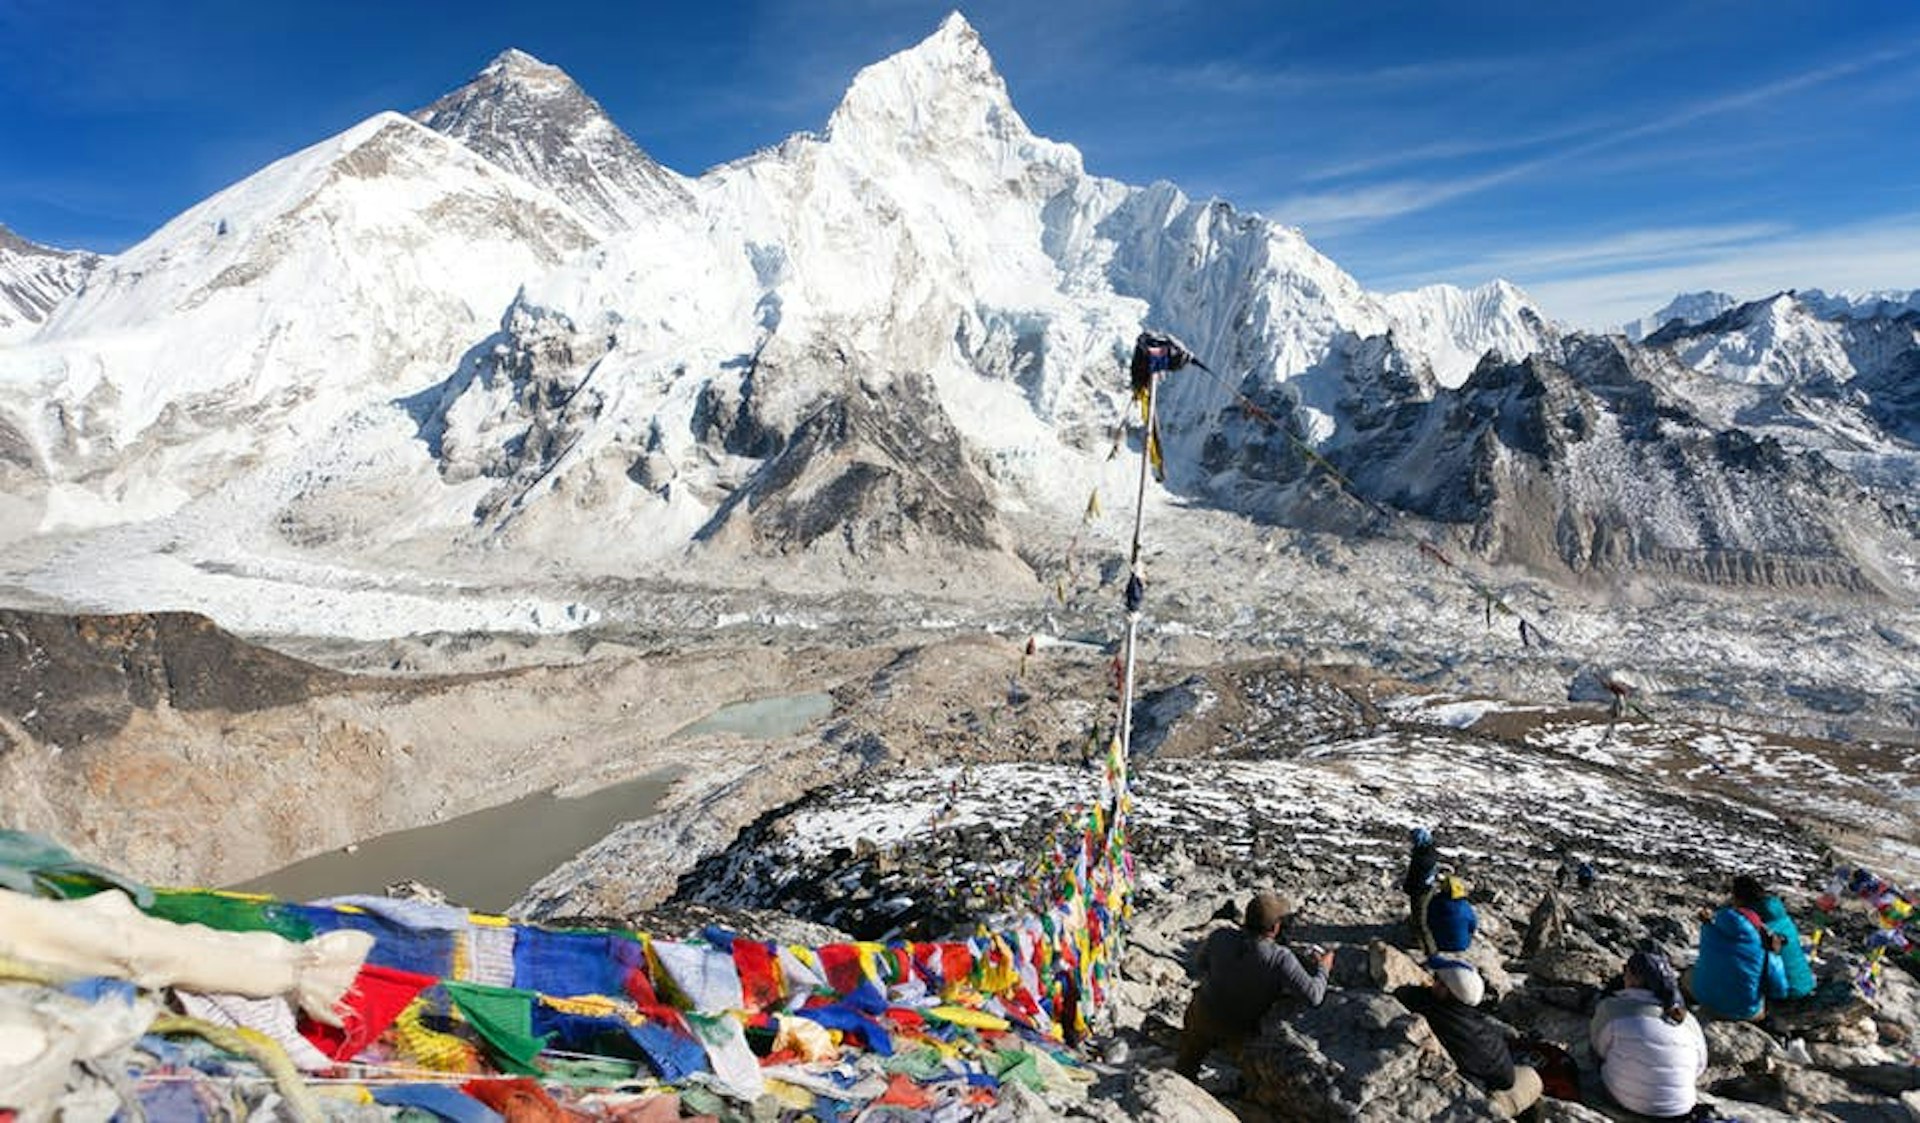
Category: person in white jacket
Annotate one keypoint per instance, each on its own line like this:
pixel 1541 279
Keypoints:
pixel 1651 1049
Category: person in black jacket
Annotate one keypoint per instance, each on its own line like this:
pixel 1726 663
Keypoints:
pixel 1477 1042
pixel 1423 873
pixel 1244 971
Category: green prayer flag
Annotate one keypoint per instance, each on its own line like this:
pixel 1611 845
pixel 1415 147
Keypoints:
pixel 503 1017
pixel 228 913
pixel 1016 1064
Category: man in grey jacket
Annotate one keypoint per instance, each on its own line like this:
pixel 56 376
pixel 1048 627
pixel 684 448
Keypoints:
pixel 1244 971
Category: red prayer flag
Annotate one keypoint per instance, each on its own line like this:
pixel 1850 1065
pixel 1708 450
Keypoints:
pixel 377 997
pixel 759 974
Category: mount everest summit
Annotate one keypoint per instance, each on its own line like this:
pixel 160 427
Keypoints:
pixel 497 329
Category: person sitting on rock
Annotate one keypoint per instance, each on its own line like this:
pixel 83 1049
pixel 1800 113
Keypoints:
pixel 1423 871
pixel 1651 1050
pixel 1748 893
pixel 1244 971
pixel 1451 921
pixel 1739 965
pixel 1477 1042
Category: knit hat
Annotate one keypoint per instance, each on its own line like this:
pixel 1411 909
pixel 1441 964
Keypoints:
pixel 1656 974
pixel 1267 909
pixel 1422 837
pixel 1460 979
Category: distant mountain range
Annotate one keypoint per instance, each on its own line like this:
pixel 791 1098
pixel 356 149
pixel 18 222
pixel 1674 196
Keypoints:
pixel 498 328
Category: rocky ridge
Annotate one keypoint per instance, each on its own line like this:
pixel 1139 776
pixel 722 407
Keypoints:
pixel 1315 796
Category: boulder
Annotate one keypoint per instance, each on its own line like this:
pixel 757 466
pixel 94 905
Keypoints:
pixel 1358 1056
pixel 1546 925
pixel 1811 1094
pixel 1159 1094
pixel 1846 1023
pixel 1737 1045
pixel 1574 961
pixel 1391 968
pixel 1890 1078
pixel 1486 959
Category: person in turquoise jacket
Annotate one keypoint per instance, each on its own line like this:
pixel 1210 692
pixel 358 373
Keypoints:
pixel 1748 893
pixel 1738 967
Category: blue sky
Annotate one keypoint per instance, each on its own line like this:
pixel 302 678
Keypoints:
pixel 1602 156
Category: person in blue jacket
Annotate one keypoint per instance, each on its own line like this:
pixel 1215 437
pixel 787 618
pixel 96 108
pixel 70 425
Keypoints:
pixel 1748 893
pixel 1450 916
pixel 1739 965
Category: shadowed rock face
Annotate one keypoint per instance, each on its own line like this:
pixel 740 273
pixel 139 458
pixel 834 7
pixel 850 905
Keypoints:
pixel 1587 461
pixel 875 469
pixel 530 118
pixel 65 679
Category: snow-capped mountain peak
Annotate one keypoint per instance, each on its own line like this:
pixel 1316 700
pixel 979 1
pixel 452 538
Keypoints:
pixel 1689 308
pixel 1859 306
pixel 34 278
pixel 534 120
pixel 943 92
pixel 1455 328
pixel 500 324
pixel 516 65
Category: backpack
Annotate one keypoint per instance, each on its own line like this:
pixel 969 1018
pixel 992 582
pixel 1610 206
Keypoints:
pixel 1559 1075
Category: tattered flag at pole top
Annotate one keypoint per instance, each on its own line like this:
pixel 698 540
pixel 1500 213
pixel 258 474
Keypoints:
pixel 1156 353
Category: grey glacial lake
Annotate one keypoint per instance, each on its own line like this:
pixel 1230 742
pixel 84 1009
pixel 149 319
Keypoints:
pixel 487 859
pixel 484 860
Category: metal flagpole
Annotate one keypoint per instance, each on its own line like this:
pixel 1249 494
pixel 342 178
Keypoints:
pixel 1136 581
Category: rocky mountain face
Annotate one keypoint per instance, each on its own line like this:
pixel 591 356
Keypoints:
pixel 517 335
pixel 1832 364
pixel 533 120
pixel 1587 459
pixel 34 278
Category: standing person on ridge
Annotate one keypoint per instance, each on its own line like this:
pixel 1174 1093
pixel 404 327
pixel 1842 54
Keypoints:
pixel 1423 867
pixel 1243 971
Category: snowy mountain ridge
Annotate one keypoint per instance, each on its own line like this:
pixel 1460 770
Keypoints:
pixel 512 334
pixel 33 279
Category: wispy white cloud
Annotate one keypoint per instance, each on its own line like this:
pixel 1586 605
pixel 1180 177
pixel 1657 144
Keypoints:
pixel 1240 80
pixel 1338 211
pixel 1328 213
pixel 1459 148
pixel 1634 249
